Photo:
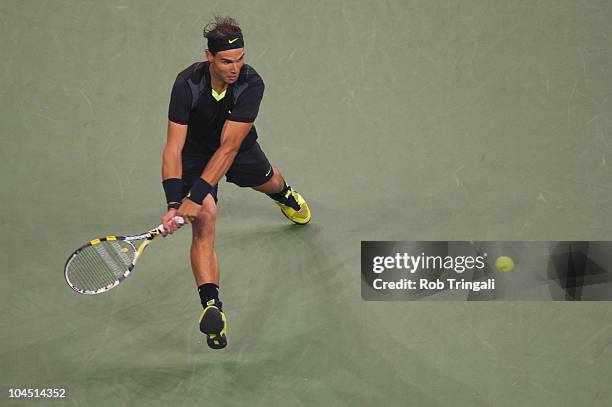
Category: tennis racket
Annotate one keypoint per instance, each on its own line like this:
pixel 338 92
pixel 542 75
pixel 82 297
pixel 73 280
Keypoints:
pixel 102 264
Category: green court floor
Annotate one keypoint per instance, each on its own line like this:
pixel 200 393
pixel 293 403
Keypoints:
pixel 397 120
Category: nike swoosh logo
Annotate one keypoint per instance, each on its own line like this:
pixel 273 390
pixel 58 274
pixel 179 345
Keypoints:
pixel 268 173
pixel 233 41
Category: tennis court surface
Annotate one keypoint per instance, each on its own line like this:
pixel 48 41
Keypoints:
pixel 408 121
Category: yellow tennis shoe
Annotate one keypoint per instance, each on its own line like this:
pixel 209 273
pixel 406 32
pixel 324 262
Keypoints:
pixel 298 212
pixel 214 325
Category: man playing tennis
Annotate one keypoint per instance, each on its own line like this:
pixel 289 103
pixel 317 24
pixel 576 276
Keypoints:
pixel 211 134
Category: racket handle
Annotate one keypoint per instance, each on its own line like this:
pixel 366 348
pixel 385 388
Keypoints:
pixel 177 219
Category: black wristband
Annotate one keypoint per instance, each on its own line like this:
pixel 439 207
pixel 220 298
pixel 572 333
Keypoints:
pixel 174 205
pixel 199 190
pixel 173 187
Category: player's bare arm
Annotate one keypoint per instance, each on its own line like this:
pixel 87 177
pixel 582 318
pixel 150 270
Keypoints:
pixel 232 135
pixel 172 166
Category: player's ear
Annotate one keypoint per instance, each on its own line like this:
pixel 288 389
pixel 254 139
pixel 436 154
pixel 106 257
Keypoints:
pixel 209 55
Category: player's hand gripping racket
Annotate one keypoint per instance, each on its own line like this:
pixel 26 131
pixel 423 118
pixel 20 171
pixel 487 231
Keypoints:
pixel 101 264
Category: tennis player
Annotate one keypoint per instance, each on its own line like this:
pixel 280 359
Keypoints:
pixel 213 106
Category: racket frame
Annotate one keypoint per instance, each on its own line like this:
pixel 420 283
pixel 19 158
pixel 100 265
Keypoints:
pixel 148 238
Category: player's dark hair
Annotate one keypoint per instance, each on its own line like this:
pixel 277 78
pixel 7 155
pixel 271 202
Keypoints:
pixel 221 28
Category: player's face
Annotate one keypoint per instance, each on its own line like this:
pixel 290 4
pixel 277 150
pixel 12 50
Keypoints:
pixel 227 64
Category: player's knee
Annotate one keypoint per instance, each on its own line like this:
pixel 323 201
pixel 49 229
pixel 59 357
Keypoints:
pixel 204 224
pixel 208 213
pixel 206 219
pixel 277 179
pixel 203 230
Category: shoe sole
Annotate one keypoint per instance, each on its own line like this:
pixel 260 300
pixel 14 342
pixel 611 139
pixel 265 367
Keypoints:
pixel 297 223
pixel 212 325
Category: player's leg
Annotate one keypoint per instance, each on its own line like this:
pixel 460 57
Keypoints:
pixel 251 168
pixel 291 203
pixel 205 266
pixel 274 185
pixel 203 257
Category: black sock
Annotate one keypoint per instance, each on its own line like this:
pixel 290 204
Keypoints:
pixel 208 291
pixel 282 198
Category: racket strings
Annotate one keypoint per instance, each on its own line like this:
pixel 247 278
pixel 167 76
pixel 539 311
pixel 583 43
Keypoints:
pixel 100 265
pixel 98 275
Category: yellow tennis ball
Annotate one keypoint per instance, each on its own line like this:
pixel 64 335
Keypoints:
pixel 125 250
pixel 504 263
